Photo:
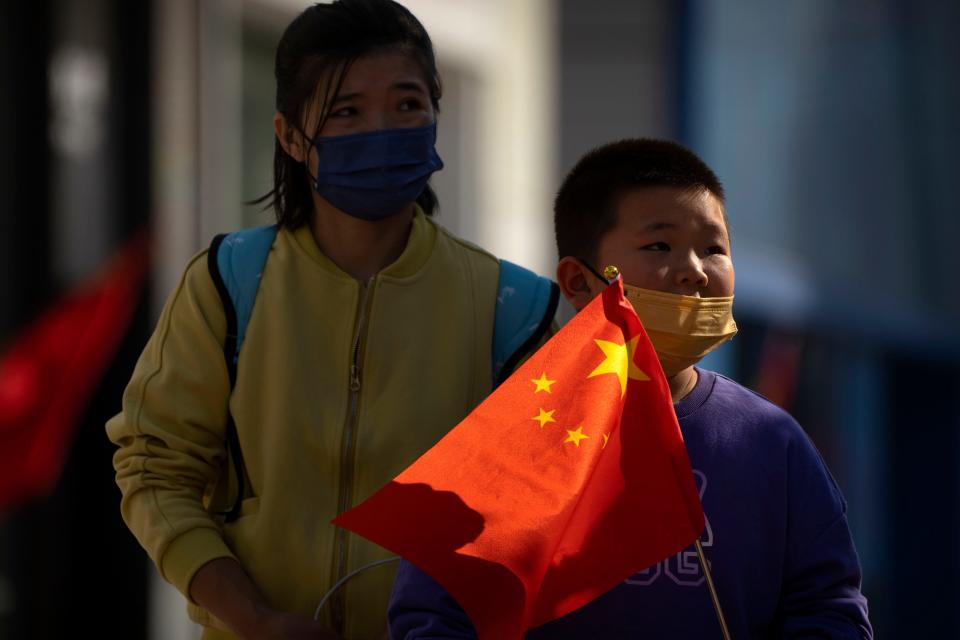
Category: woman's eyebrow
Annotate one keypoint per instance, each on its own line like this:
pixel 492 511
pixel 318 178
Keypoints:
pixel 402 85
pixel 343 97
pixel 409 85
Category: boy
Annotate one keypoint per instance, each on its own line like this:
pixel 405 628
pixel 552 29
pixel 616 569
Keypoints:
pixel 777 538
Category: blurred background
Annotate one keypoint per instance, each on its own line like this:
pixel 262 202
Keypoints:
pixel 832 125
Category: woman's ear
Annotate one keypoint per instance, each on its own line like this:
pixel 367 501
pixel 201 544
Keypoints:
pixel 290 139
pixel 575 282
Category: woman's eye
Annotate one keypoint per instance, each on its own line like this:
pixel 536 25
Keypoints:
pixel 656 246
pixel 411 104
pixel 343 112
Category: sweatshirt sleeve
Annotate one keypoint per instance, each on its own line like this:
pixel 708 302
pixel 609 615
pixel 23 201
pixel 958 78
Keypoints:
pixel 171 431
pixel 420 609
pixel 821 585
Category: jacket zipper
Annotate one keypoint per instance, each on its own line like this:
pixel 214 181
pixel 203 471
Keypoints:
pixel 348 456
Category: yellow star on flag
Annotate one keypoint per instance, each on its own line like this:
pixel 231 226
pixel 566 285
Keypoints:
pixel 576 436
pixel 544 417
pixel 606 437
pixel 619 361
pixel 543 384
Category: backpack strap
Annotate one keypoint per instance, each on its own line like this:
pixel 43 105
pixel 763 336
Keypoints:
pixel 526 304
pixel 236 261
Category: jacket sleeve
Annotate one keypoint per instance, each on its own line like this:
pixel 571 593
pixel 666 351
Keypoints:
pixel 821 594
pixel 420 609
pixel 171 431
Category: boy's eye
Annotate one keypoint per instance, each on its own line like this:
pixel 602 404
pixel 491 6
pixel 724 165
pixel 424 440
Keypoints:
pixel 715 250
pixel 656 246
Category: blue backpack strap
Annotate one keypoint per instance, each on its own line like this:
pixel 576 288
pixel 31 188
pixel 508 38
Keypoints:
pixel 236 261
pixel 526 304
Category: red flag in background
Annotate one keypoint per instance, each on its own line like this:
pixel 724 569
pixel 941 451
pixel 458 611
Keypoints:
pixel 49 372
pixel 778 374
pixel 569 478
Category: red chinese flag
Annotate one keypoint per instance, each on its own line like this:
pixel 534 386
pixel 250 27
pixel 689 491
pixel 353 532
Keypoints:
pixel 569 478
pixel 49 373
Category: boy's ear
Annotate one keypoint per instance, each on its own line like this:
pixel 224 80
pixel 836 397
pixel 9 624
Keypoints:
pixel 290 139
pixel 574 281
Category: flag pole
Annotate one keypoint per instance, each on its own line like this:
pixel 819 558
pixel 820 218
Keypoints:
pixel 713 591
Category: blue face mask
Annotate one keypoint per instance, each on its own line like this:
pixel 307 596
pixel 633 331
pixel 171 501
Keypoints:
pixel 377 174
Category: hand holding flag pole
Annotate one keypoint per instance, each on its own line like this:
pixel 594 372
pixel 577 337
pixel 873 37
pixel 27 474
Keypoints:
pixel 568 479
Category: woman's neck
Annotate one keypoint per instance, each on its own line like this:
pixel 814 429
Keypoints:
pixel 360 248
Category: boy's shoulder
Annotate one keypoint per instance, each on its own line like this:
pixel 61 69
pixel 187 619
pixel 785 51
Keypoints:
pixel 727 393
pixel 730 407
pixel 748 421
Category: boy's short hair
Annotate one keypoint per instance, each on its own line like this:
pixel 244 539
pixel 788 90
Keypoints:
pixel 586 204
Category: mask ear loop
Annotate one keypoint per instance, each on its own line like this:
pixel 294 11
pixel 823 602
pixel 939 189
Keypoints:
pixel 332 91
pixel 593 271
pixel 312 140
pixel 311 149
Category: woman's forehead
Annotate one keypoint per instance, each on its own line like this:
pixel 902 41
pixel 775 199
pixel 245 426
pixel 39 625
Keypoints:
pixel 372 70
pixel 383 69
pixel 379 71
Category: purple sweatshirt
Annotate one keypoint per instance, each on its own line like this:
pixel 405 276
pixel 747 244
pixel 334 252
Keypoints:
pixel 776 538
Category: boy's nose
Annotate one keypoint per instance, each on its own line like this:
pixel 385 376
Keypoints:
pixel 690 275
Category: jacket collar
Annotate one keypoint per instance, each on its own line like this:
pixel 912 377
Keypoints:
pixel 423 234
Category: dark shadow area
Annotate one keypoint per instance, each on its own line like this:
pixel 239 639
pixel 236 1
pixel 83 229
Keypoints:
pixel 68 564
pixel 486 590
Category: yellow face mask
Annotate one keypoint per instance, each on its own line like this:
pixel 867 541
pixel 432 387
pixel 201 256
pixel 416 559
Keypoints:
pixel 682 329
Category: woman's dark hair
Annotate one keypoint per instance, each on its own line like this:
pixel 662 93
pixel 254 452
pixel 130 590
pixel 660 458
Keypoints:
pixel 313 57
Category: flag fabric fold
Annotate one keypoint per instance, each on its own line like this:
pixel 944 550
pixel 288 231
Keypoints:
pixel 567 479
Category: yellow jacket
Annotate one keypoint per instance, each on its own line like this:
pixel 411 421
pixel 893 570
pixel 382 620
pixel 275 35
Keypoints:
pixel 318 433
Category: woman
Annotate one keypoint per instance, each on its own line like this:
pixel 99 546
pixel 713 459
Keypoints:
pixel 370 337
